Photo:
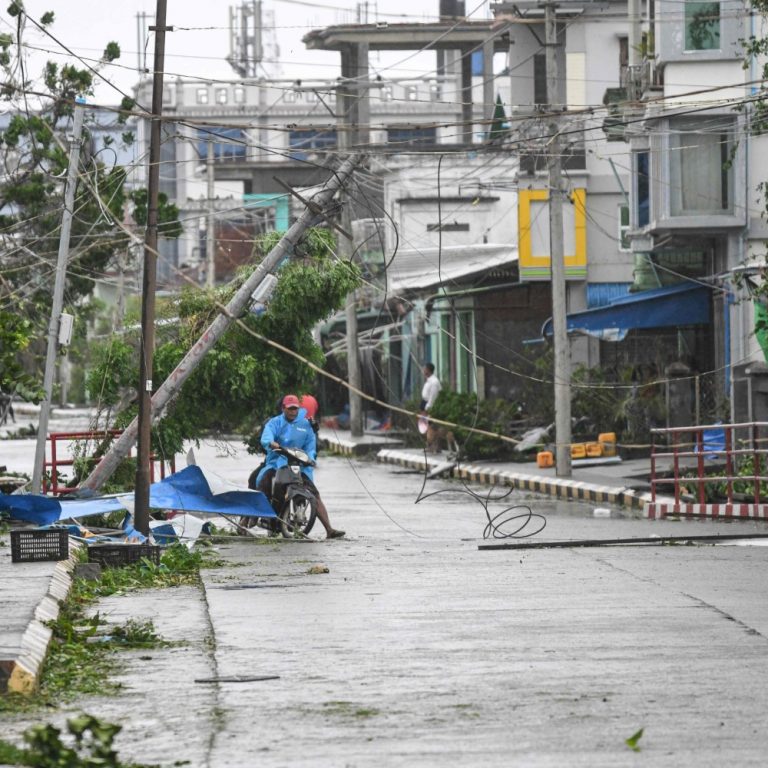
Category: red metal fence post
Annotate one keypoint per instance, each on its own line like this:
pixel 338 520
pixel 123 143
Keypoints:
pixel 729 443
pixel 756 462
pixel 653 465
pixel 699 438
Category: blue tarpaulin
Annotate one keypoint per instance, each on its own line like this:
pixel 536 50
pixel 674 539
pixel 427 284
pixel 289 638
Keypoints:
pixel 675 305
pixel 713 443
pixel 190 490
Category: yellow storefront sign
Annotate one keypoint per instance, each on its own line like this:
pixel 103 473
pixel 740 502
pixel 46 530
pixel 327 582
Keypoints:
pixel 533 235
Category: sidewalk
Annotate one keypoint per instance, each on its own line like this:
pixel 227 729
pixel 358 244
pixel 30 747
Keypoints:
pixel 29 599
pixel 624 484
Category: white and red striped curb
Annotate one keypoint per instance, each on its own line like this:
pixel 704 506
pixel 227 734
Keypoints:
pixel 550 486
pixel 659 510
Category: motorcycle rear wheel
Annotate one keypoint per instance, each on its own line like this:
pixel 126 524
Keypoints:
pixel 298 517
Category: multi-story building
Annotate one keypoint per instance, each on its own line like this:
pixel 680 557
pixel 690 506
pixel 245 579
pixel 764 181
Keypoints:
pixel 696 174
pixel 269 135
pixel 662 180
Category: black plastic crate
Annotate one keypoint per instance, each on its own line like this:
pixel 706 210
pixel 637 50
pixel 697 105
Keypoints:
pixel 118 555
pixel 34 545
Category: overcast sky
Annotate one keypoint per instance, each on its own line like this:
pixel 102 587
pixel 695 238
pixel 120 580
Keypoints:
pixel 200 43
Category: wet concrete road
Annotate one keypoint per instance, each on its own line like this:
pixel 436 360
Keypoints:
pixel 416 649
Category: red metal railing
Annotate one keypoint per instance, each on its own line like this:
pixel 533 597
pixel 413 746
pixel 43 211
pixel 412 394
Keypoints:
pixel 51 482
pixel 725 446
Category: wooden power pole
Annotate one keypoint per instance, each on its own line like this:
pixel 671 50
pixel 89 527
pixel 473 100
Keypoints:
pixel 149 282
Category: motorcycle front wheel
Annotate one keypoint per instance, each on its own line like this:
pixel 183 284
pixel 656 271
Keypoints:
pixel 298 517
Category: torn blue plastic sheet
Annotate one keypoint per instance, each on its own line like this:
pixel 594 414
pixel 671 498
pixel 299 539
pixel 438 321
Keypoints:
pixel 190 490
pixel 195 490
pixel 43 510
pixel 164 533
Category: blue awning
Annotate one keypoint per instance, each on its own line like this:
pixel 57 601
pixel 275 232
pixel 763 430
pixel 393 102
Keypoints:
pixel 675 305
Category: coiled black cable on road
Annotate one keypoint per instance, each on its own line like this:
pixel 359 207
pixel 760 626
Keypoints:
pixel 510 523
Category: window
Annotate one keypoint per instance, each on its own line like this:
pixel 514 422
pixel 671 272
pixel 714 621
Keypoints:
pixel 454 348
pixel 201 95
pixel 386 93
pixel 289 97
pixel 623 59
pixel 434 90
pixel 624 228
pixel 445 342
pixel 702 26
pixel 228 143
pixel 411 136
pixel 411 92
pixel 465 352
pixel 167 96
pixel 239 95
pixel 222 96
pixel 700 177
pixel 310 140
pixel 642 189
pixel 539 79
pixel 168 164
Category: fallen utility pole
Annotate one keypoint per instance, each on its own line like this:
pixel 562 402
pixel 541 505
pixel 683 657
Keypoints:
pixel 234 309
pixel 58 298
pixel 149 282
pixel 658 540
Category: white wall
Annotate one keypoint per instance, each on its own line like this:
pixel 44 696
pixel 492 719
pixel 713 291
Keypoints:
pixel 410 197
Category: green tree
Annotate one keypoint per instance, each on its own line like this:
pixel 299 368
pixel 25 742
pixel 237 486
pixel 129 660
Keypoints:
pixel 34 156
pixel 14 339
pixel 237 383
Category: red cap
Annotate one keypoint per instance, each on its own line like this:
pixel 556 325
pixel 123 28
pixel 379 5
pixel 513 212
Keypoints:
pixel 309 403
pixel 290 401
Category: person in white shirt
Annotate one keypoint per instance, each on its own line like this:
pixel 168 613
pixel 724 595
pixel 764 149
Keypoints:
pixel 431 388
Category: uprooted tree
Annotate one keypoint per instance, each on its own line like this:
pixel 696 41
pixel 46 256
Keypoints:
pixel 237 383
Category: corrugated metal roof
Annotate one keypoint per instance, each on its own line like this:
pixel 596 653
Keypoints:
pixel 417 269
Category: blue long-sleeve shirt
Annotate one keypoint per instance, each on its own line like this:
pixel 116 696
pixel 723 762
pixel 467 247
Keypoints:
pixel 289 434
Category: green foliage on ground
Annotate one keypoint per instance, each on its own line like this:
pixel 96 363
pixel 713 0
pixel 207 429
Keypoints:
pixel 611 401
pixel 88 744
pixel 489 415
pixel 83 645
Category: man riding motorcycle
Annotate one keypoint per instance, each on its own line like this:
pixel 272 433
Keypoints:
pixel 290 430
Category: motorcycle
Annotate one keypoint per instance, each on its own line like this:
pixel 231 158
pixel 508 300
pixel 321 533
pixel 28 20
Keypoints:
pixel 296 507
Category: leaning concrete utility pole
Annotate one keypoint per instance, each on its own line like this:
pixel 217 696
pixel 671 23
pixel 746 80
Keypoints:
pixel 237 305
pixel 58 298
pixel 562 368
pixel 149 282
pixel 354 117
pixel 353 349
